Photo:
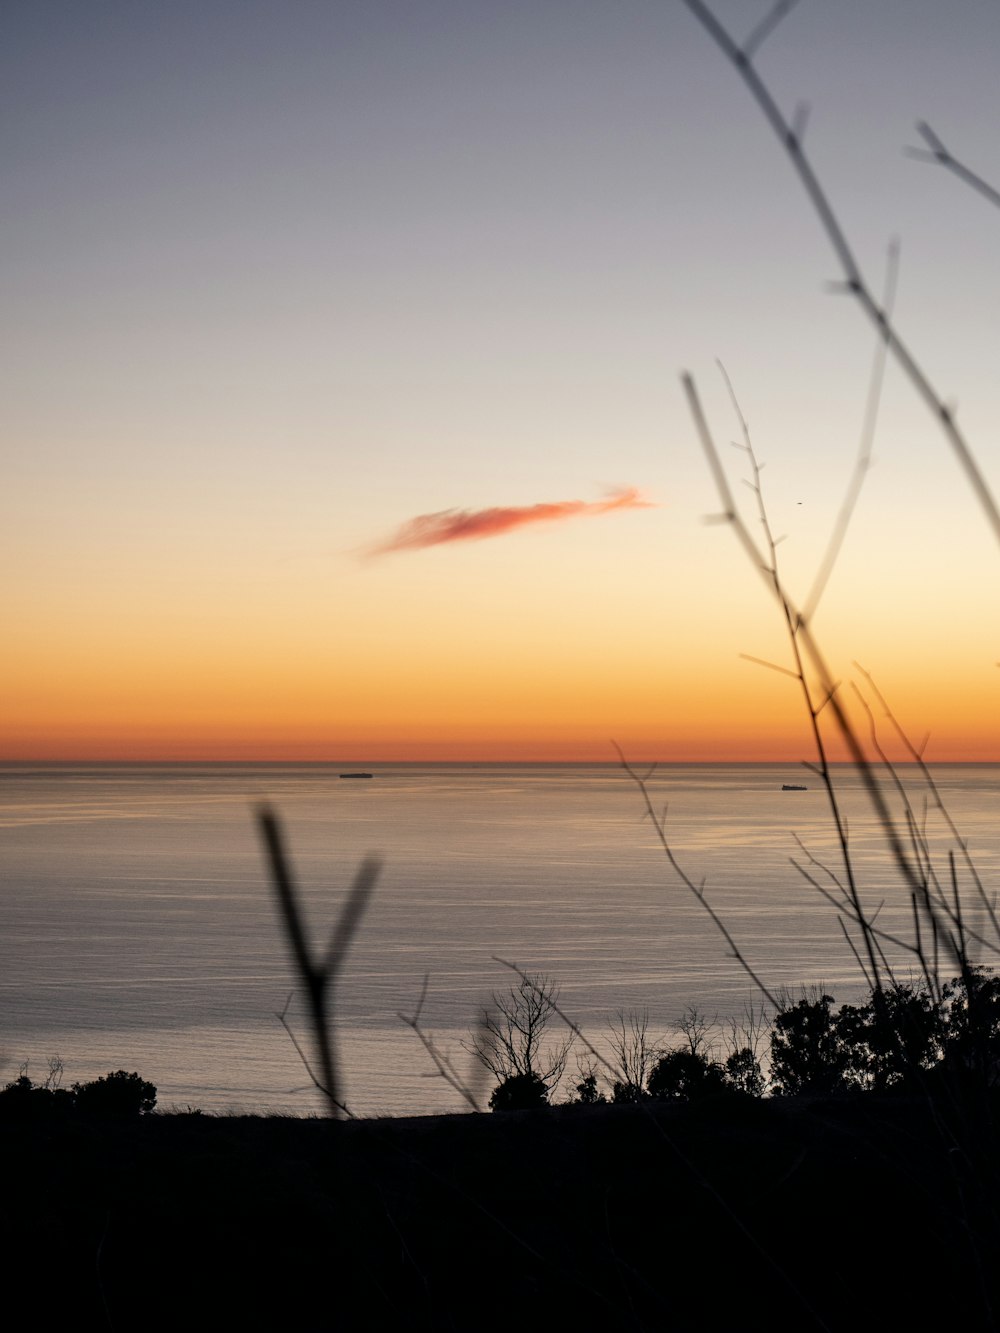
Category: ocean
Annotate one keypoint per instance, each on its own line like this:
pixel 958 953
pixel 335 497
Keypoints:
pixel 138 926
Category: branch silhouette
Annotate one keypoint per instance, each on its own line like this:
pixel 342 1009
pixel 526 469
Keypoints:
pixel 317 976
pixel 788 134
pixel 935 152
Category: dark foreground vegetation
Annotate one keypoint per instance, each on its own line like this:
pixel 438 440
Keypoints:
pixel 725 1212
pixel 865 1189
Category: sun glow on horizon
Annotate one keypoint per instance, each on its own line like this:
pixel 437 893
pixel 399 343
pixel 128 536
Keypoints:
pixel 290 335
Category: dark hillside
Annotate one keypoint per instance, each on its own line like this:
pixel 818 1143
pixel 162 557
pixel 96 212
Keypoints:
pixel 783 1214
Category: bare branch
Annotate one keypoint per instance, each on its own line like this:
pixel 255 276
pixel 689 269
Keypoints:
pixel 633 1051
pixel 442 1062
pixel 282 1017
pixel 864 459
pixel 767 25
pixel 917 756
pixel 574 1028
pixel 512 1038
pixel 799 638
pixel 853 276
pixel 937 153
pixel 317 979
pixel 694 1026
pixel 699 892
pixel 771 666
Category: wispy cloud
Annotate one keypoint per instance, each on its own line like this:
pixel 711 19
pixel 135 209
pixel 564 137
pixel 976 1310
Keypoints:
pixel 463 525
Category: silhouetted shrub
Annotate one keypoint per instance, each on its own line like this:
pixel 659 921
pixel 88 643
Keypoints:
pixel 970 1029
pixel 744 1074
pixel 588 1093
pixel 627 1092
pixel 891 1039
pixel 520 1092
pixel 117 1094
pixel 23 1100
pixel 898 1036
pixel 684 1075
pixel 807 1054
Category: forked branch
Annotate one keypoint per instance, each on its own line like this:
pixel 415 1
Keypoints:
pixel 317 975
pixel 937 153
pixel 443 1065
pixel 789 137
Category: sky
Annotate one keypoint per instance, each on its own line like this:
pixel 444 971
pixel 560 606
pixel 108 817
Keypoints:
pixel 341 409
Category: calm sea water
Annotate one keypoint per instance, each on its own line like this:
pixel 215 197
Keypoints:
pixel 138 928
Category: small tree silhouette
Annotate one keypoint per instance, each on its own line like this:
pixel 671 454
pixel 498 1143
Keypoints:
pixel 520 1092
pixel 891 1038
pixel 511 1040
pixel 807 1054
pixel 685 1074
pixel 971 1025
pixel 744 1074
pixel 633 1053
pixel 118 1094
pixel 587 1091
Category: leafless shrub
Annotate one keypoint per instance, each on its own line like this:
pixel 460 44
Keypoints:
pixel 695 1027
pixel 514 1037
pixel 633 1052
pixel 588 1089
pixel 54 1078
pixel 751 1031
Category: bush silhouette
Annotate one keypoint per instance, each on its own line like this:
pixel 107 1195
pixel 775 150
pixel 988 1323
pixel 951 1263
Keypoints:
pixel 627 1092
pixel 898 1036
pixel 891 1039
pixel 118 1094
pixel 970 1032
pixel 23 1100
pixel 744 1074
pixel 588 1093
pixel 807 1054
pixel 520 1092
pixel 683 1075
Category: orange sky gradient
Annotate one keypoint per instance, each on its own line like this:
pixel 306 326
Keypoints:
pixel 422 282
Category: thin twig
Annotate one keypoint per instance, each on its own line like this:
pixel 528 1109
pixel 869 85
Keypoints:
pixel 937 153
pixel 863 461
pixel 574 1028
pixel 699 892
pixel 282 1016
pixel 801 633
pixel 797 633
pixel 767 25
pixel 917 756
pixel 442 1062
pixel 854 279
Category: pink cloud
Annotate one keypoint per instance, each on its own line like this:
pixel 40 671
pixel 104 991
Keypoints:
pixel 461 525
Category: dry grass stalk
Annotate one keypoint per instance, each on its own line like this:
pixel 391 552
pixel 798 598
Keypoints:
pixel 318 976
pixel 789 134
pixel 443 1064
